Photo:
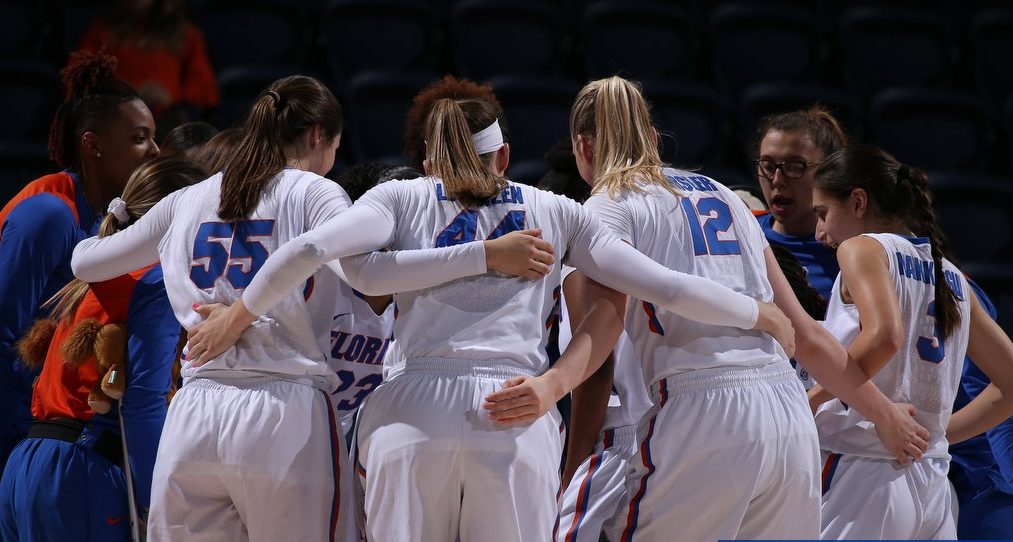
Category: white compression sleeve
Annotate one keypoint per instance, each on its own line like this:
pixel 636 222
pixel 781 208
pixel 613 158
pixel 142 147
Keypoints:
pixel 95 259
pixel 381 273
pixel 359 229
pixel 603 257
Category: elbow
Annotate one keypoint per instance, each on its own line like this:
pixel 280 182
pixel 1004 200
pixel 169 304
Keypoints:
pixel 887 340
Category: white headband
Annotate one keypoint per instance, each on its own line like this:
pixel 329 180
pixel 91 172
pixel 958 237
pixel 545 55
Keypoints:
pixel 488 140
pixel 118 208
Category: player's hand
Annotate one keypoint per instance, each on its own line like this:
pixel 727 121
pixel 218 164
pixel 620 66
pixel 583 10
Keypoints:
pixel 777 325
pixel 520 253
pixel 220 329
pixel 902 435
pixel 522 400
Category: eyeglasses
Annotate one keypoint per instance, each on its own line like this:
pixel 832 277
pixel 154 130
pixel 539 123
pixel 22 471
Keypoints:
pixel 791 169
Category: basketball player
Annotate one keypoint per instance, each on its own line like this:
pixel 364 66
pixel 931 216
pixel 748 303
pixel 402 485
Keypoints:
pixel 729 425
pixel 918 319
pixel 251 447
pixel 437 464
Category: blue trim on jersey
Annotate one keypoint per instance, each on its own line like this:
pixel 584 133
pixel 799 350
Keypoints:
pixel 915 240
pixel 633 516
pixel 584 496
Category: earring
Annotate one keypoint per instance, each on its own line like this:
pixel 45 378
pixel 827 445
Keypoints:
pixel 98 155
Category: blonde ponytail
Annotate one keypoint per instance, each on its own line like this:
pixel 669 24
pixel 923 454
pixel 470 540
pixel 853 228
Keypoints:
pixel 615 115
pixel 452 157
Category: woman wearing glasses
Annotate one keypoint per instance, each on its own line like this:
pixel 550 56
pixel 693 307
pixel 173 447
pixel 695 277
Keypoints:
pixel 789 147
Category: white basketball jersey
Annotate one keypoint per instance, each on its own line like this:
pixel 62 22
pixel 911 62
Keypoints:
pixel 485 317
pixel 630 398
pixel 359 341
pixel 708 233
pixel 926 369
pixel 211 260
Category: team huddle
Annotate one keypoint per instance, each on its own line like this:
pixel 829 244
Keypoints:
pixel 383 365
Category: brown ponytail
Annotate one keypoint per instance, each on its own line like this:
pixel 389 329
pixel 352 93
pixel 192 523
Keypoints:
pixel 897 191
pixel 282 113
pixel 922 219
pixel 452 157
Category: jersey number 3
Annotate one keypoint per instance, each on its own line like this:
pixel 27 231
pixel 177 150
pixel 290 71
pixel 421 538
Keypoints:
pixel 932 349
pixel 229 249
pixel 464 228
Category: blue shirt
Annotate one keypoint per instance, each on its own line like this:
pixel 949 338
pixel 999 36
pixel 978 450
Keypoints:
pixel 819 262
pixel 985 461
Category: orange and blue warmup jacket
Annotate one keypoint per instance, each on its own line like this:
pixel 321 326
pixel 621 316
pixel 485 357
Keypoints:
pixel 38 230
pixel 139 301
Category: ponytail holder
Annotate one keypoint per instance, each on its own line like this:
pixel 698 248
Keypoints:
pixel 488 139
pixel 903 173
pixel 118 208
pixel 276 96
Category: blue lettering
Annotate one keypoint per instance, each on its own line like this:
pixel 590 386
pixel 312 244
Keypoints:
pixel 440 195
pixel 909 265
pixel 900 262
pixel 354 348
pixel 702 183
pixel 927 277
pixel 337 342
pixel 369 350
pixel 516 194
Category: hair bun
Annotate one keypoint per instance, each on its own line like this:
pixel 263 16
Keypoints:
pixel 903 173
pixel 90 73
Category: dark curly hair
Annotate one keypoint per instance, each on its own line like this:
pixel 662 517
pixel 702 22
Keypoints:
pixel 468 94
pixel 358 179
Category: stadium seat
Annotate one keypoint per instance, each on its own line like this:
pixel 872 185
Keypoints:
pixel 74 18
pixel 31 93
pixel 254 33
pixel 239 87
pixel 974 213
pixel 692 122
pixel 377 104
pixel 991 46
pixel 761 100
pixel 885 47
pixel 21 163
pixel 400 35
pixel 932 129
pixel 753 44
pixel 527 171
pixel 498 38
pixel 997 282
pixel 537 111
pixel 639 40
pixel 25 30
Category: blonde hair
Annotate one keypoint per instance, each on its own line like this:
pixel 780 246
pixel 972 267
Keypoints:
pixel 452 157
pixel 147 186
pixel 615 115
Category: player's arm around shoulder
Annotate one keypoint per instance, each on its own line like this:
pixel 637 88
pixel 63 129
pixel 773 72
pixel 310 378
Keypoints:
pixel 992 352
